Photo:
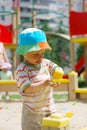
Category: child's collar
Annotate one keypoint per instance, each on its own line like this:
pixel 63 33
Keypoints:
pixel 38 66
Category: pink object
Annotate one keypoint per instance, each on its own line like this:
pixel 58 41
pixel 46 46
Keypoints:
pixel 6 66
pixel 3 55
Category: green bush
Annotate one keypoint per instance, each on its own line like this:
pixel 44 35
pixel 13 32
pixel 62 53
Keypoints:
pixel 82 84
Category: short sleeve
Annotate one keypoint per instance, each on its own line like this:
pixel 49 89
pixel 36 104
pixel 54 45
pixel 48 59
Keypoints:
pixel 22 78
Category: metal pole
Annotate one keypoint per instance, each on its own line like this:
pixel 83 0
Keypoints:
pixel 33 14
pixel 70 4
pixel 72 53
pixel 83 4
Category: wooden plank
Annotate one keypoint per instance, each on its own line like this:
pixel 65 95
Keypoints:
pixel 62 87
pixel 8 88
pixel 83 96
pixel 8 85
pixel 7 82
pixel 10 46
pixel 79 90
pixel 61 80
pixel 80 40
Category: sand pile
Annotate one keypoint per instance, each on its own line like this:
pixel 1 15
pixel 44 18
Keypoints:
pixel 10 114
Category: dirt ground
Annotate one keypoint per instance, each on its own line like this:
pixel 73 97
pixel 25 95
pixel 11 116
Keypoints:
pixel 10 114
pixel 79 111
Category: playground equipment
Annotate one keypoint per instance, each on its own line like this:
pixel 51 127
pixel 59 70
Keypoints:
pixel 8 85
pixel 78 32
pixel 66 85
pixel 9 34
pixel 79 67
pixel 69 85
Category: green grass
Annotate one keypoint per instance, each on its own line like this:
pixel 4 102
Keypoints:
pixel 57 96
pixel 82 84
pixel 12 97
pixel 60 96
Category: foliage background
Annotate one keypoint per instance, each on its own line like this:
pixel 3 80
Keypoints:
pixel 60 53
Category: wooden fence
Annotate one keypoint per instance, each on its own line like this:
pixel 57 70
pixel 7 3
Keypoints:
pixel 69 85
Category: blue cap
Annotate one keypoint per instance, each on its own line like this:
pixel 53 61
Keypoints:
pixel 31 39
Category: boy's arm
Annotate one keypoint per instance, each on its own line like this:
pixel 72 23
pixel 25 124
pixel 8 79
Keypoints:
pixel 34 87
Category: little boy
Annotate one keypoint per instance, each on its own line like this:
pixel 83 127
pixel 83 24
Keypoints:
pixel 34 78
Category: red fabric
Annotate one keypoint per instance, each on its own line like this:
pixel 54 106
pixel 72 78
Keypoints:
pixel 65 76
pixel 79 64
pixel 78 23
pixel 6 34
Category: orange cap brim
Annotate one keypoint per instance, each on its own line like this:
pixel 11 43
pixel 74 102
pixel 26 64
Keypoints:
pixel 44 45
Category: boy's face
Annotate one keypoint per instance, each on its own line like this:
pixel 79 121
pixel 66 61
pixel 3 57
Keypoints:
pixel 34 57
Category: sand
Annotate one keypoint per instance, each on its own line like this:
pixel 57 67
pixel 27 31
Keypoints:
pixel 10 114
pixel 79 111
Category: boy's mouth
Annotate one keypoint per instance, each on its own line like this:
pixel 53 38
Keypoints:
pixel 39 61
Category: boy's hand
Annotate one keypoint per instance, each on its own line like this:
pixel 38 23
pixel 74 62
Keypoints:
pixel 46 82
pixel 54 84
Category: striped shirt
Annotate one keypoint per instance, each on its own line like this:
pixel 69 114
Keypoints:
pixel 41 101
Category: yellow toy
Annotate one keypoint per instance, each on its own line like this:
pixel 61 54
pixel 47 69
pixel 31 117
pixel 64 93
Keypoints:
pixel 56 115
pixel 69 114
pixel 55 121
pixel 57 73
